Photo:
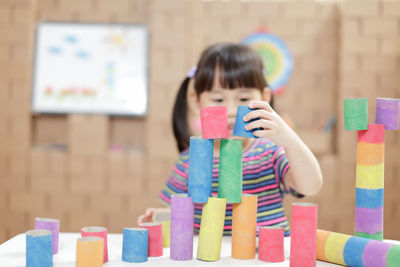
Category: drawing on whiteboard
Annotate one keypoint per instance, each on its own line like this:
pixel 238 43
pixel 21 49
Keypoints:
pixel 91 68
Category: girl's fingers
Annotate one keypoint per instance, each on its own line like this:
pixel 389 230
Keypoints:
pixel 140 219
pixel 261 104
pixel 265 124
pixel 261 133
pixel 144 218
pixel 149 211
pixel 259 114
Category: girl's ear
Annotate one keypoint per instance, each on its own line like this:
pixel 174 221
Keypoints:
pixel 192 99
pixel 266 95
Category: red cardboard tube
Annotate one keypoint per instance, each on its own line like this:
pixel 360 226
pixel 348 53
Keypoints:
pixel 99 232
pixel 214 122
pixel 155 238
pixel 270 244
pixel 374 135
pixel 303 242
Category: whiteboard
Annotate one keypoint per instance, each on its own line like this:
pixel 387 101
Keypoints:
pixel 91 68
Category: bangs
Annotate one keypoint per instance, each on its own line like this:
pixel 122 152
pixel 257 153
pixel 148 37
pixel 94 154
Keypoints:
pixel 239 67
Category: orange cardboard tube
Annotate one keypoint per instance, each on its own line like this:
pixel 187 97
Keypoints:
pixel 244 227
pixel 370 154
pixel 89 252
pixel 322 236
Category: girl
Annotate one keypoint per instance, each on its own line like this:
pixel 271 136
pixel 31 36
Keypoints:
pixel 231 75
pixel 186 115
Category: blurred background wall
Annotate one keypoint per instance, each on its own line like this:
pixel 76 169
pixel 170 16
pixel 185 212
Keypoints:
pixel 63 166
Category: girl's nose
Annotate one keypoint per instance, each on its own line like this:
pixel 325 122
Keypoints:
pixel 231 109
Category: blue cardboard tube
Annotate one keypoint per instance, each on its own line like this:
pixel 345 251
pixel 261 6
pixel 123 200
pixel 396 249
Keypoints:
pixel 200 169
pixel 135 244
pixel 239 129
pixel 39 248
pixel 354 250
pixel 369 198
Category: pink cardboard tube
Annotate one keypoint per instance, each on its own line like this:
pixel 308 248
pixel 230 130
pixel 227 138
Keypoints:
pixel 374 135
pixel 270 244
pixel 99 232
pixel 155 239
pixel 214 122
pixel 303 242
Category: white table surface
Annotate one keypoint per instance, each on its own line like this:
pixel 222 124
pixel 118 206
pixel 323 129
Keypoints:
pixel 12 254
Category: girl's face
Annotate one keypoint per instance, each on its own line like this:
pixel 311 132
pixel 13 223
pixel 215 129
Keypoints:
pixel 231 98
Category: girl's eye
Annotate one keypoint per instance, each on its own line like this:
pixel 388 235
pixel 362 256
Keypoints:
pixel 218 100
pixel 244 99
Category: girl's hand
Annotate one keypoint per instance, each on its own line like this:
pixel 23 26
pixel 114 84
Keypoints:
pixel 273 126
pixel 148 215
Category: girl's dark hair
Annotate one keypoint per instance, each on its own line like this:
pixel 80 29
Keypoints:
pixel 179 117
pixel 238 65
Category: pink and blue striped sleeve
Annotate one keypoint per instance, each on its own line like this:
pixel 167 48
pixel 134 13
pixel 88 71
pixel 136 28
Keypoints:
pixel 281 167
pixel 177 180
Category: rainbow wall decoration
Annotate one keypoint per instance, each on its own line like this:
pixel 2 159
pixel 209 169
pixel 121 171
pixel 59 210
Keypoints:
pixel 277 59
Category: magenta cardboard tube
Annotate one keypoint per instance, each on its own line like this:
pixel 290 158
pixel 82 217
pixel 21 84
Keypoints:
pixel 182 220
pixel 53 225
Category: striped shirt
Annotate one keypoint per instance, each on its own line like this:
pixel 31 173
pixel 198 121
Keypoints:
pixel 264 169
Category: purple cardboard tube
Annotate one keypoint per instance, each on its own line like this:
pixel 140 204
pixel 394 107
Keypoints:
pixel 53 225
pixel 182 220
pixel 387 112
pixel 375 253
pixel 368 220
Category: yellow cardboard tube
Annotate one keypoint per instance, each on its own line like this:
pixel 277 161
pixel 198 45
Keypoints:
pixel 244 227
pixel 89 252
pixel 164 217
pixel 211 229
pixel 370 176
pixel 334 247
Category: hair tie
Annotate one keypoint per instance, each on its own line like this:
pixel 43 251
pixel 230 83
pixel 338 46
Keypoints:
pixel 192 72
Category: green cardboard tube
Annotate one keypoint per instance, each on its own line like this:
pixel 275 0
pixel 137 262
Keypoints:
pixel 356 114
pixel 230 170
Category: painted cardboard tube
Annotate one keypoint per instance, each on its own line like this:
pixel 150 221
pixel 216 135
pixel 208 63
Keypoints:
pixel 244 227
pixel 270 244
pixel 200 169
pixel 356 251
pixel 387 112
pixel 53 225
pixel 303 242
pixel 214 122
pixel 89 251
pixel 155 248
pixel 239 128
pixel 164 217
pixel 211 229
pixel 355 114
pixel 375 134
pixel 100 232
pixel 39 249
pixel 230 180
pixel 135 244
pixel 182 221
